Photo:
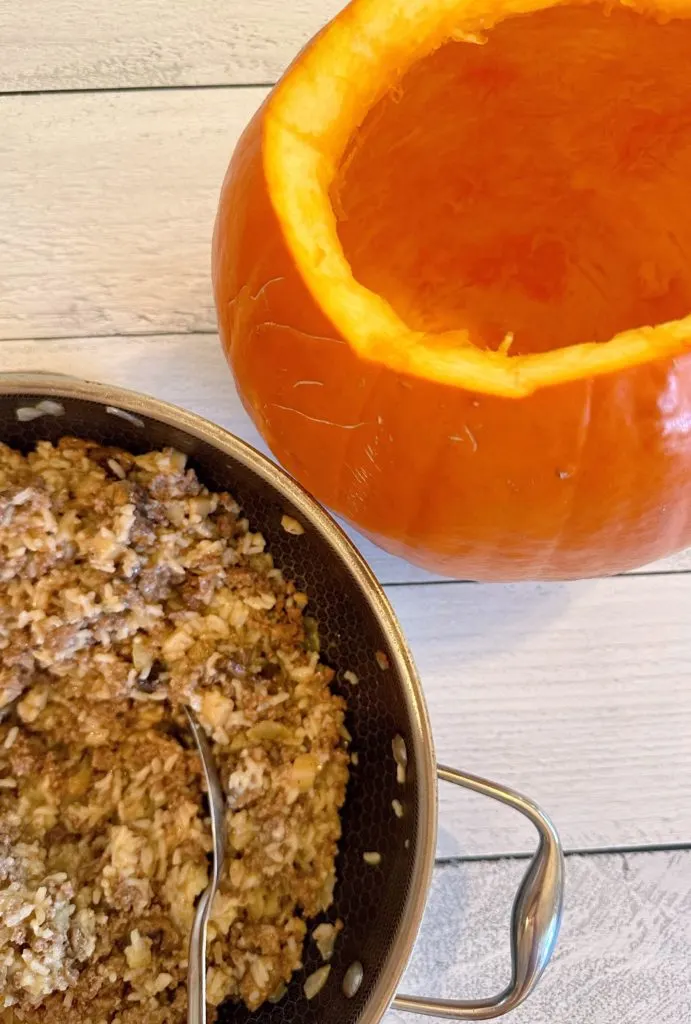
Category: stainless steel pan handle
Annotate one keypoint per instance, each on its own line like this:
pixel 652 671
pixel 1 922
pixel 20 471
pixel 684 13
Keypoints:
pixel 535 919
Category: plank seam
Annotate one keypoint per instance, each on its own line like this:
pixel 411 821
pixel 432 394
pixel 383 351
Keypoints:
pixel 645 574
pixel 114 334
pixel 78 90
pixel 604 851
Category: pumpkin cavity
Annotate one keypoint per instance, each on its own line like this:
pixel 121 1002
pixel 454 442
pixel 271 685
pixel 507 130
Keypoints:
pixel 530 187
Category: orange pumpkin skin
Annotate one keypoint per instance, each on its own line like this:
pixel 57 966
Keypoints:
pixel 583 478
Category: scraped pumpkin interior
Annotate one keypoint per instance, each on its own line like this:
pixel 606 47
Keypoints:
pixel 535 197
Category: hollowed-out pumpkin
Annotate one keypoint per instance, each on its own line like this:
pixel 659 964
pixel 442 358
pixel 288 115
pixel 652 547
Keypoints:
pixel 452 265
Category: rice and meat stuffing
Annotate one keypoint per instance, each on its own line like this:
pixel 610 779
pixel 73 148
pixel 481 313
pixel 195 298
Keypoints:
pixel 126 591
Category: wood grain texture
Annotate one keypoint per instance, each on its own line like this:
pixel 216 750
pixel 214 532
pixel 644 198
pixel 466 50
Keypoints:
pixel 107 202
pixel 577 693
pixel 622 956
pixel 69 44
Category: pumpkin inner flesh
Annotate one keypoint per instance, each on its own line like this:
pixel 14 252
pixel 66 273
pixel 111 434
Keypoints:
pixel 534 189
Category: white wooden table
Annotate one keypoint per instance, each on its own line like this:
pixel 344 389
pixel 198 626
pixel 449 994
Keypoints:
pixel 117 119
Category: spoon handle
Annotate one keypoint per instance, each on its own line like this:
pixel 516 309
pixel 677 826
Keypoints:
pixel 196 970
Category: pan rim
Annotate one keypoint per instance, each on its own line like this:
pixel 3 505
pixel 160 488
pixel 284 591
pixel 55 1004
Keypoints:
pixel 56 386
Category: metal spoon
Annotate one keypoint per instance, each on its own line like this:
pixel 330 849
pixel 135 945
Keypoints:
pixel 196 970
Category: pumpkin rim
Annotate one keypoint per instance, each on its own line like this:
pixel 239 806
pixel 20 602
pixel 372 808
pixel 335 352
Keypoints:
pixel 309 119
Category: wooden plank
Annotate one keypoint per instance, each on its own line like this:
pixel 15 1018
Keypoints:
pixel 190 370
pixel 107 203
pixel 623 951
pixel 68 44
pixel 575 693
